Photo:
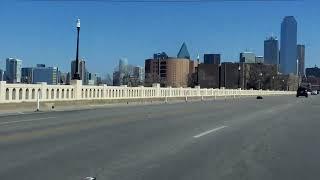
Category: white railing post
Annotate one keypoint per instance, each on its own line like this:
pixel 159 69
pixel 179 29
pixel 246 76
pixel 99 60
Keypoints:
pixel 77 84
pixel 43 90
pixel 198 90
pixel 156 86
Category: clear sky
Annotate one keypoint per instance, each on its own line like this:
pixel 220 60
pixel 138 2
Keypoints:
pixel 44 31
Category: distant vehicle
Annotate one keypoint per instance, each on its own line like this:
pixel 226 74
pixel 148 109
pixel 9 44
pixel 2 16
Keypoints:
pixel 259 97
pixel 302 91
pixel 314 92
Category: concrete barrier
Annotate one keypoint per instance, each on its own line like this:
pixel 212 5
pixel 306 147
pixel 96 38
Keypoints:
pixel 20 93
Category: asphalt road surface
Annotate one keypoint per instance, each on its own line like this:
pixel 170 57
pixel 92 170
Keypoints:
pixel 273 138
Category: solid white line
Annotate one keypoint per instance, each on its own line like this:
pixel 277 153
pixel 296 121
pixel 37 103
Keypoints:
pixel 27 120
pixel 209 131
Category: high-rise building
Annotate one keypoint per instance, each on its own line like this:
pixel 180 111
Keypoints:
pixel 211 58
pixel 174 72
pixel 247 57
pixel 288 46
pixel 68 79
pixel 50 75
pixel 138 73
pixel 301 59
pixel 27 75
pixel 183 52
pixel 259 59
pixel 2 77
pixel 161 55
pixel 13 70
pixel 116 78
pixel 123 65
pixel 313 72
pixel 271 51
pixel 82 70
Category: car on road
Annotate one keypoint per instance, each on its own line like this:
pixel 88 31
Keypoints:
pixel 302 91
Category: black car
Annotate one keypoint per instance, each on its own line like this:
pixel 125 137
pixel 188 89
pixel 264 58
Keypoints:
pixel 302 92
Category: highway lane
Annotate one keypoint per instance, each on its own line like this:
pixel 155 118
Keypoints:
pixel 275 138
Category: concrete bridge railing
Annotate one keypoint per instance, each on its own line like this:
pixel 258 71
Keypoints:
pixel 76 91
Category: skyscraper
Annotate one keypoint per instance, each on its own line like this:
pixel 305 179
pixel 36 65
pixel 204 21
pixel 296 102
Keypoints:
pixel 301 59
pixel 271 51
pixel 2 78
pixel 27 75
pixel 183 52
pixel 211 58
pixel 123 66
pixel 247 57
pixel 50 75
pixel 13 70
pixel 260 59
pixel 82 70
pixel 288 46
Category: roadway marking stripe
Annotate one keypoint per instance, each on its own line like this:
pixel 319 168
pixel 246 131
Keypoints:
pixel 209 131
pixel 27 120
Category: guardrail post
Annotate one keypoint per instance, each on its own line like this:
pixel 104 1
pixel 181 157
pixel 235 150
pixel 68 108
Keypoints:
pixel 2 91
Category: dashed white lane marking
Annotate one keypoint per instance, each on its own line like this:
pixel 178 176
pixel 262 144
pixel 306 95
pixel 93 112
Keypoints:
pixel 27 120
pixel 209 131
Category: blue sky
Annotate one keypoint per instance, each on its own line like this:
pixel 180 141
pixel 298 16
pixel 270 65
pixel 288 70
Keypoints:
pixel 44 32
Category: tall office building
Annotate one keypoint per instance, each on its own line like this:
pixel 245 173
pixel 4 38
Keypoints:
pixel 183 52
pixel 123 65
pixel 301 59
pixel 13 70
pixel 50 75
pixel 2 77
pixel 27 75
pixel 82 70
pixel 211 58
pixel 161 55
pixel 288 46
pixel 271 51
pixel 313 72
pixel 260 59
pixel 174 72
pixel 247 57
pixel 138 73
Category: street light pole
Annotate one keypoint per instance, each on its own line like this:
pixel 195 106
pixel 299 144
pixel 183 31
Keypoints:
pixel 76 75
pixel 198 61
pixel 260 79
pixel 272 82
pixel 297 67
pixel 239 68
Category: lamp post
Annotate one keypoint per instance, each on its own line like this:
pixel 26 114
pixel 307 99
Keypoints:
pixel 260 79
pixel 76 75
pixel 159 78
pixel 198 60
pixel 239 69
pixel 219 69
pixel 272 82
pixel 297 67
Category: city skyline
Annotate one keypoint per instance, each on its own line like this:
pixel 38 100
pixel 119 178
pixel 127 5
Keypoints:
pixel 98 59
